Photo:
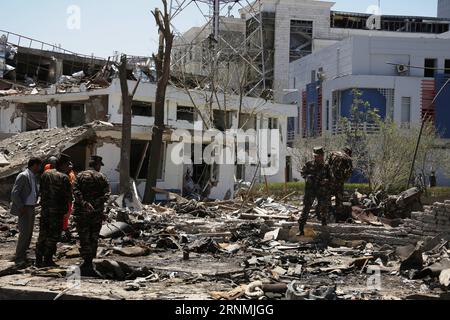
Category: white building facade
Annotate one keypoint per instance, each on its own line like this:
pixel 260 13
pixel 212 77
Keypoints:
pixel 398 76
pixel 444 9
pixel 21 113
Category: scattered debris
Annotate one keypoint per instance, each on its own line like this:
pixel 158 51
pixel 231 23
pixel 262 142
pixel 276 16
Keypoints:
pixel 146 245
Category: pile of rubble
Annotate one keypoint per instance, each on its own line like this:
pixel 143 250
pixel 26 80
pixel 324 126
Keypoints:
pixel 43 143
pixel 249 250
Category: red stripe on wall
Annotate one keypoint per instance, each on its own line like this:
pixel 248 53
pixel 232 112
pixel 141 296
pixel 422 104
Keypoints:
pixel 428 93
pixel 319 111
pixel 304 113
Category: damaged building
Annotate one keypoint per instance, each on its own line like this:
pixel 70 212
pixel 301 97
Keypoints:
pixel 234 244
pixel 73 102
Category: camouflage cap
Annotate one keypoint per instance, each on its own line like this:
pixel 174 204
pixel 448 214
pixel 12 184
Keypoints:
pixel 63 159
pixel 318 151
pixel 97 160
pixel 52 160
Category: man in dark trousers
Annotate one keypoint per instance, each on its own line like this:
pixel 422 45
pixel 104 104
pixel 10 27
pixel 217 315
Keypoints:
pixel 24 197
pixel 56 193
pixel 341 170
pixel 91 191
pixel 317 176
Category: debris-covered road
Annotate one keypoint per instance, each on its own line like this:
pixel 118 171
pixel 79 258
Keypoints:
pixel 227 250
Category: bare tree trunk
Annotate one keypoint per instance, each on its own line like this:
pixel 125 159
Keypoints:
pixel 162 63
pixel 126 128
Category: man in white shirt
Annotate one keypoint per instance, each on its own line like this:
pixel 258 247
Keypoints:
pixel 24 198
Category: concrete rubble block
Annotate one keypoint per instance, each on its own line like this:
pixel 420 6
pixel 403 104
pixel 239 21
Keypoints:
pixel 416 215
pixel 132 251
pixel 444 278
pixel 115 230
pixel 429 219
pixel 443 221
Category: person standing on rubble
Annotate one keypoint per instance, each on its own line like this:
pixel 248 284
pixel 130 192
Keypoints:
pixel 341 170
pixel 55 194
pixel 91 191
pixel 317 177
pixel 24 198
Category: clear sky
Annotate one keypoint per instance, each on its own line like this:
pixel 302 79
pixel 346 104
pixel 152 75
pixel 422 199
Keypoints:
pixel 128 26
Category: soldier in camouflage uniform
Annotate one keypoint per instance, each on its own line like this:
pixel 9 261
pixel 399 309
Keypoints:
pixel 317 176
pixel 341 169
pixel 91 191
pixel 56 193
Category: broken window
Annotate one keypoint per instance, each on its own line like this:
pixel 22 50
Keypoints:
pixel 240 172
pixel 142 109
pixel 247 121
pixel 300 39
pixel 388 23
pixel 222 120
pixel 406 111
pixel 311 119
pixel 447 66
pixel 72 114
pixel 78 155
pixel 273 123
pixel 140 157
pixel 335 108
pixel 291 128
pixel 313 76
pixel 185 114
pixel 35 116
pixel 430 68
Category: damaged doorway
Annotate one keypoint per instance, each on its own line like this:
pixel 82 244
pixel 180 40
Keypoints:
pixel 73 114
pixel 203 175
pixel 35 116
pixel 140 157
pixel 79 154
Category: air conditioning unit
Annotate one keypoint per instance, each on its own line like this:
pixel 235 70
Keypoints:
pixel 321 76
pixel 401 68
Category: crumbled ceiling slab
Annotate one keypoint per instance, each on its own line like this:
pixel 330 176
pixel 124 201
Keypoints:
pixel 18 149
pixel 3 161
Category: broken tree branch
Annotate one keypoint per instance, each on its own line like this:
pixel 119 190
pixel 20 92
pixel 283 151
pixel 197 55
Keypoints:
pixel 162 63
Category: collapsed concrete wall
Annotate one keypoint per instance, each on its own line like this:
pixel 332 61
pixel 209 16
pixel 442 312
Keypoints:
pixel 18 149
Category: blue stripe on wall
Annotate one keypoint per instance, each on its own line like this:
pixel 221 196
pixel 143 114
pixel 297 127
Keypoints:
pixel 373 96
pixel 443 106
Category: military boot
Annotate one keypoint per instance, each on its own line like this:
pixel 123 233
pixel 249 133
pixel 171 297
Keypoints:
pixel 48 262
pixel 39 261
pixel 87 268
pixel 301 230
